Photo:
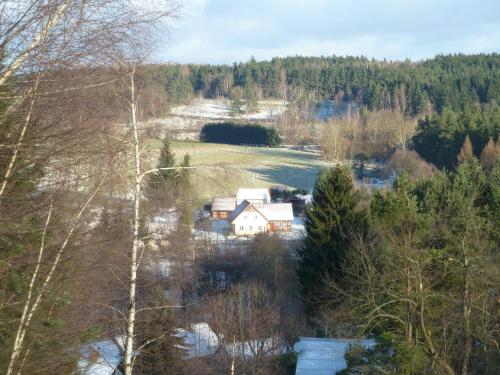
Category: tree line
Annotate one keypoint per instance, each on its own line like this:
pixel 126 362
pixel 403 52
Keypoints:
pixel 239 134
pixel 453 81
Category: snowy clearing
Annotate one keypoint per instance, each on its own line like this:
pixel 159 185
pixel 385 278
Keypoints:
pixel 220 109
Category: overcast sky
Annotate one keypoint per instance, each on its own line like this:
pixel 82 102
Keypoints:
pixel 227 31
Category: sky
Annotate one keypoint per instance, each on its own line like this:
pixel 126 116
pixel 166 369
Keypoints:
pixel 227 31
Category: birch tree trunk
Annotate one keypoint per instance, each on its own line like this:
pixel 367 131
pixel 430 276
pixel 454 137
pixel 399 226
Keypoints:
pixel 16 350
pixel 138 175
pixel 135 241
pixel 20 139
pixel 29 311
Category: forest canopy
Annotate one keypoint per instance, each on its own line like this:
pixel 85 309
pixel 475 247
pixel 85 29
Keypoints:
pixel 451 81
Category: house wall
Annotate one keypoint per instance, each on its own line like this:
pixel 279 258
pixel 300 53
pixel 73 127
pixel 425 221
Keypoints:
pixel 280 226
pixel 249 222
pixel 220 214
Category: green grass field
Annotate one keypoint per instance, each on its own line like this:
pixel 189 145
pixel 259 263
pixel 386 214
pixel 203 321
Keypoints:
pixel 222 169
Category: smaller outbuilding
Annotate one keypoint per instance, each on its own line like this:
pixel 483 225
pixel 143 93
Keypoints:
pixel 298 202
pixel 255 196
pixel 222 207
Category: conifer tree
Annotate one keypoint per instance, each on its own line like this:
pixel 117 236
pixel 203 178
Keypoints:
pixel 490 155
pixel 466 152
pixel 186 197
pixel 166 160
pixel 331 224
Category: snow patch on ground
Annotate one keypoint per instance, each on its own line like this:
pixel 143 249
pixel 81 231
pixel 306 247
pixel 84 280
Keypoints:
pixel 220 109
pixel 201 341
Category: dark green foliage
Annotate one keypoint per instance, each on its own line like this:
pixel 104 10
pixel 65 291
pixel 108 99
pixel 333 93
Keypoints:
pixel 283 195
pixel 441 137
pixel 235 134
pixel 332 223
pixel 374 361
pixel 431 256
pixel 454 81
pixel 288 363
pixel 492 199
pixel 186 200
pixel 159 352
pixel 166 160
pixel 20 227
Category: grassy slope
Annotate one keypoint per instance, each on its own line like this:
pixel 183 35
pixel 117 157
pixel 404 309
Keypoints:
pixel 232 167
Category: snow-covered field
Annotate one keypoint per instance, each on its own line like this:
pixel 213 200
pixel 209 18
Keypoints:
pixel 219 109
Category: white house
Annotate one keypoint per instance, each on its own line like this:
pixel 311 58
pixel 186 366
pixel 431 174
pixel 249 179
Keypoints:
pixel 256 196
pixel 249 218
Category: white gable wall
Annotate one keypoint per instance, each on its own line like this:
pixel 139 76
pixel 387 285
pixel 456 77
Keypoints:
pixel 248 223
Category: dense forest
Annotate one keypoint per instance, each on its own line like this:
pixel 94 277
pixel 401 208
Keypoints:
pixel 417 267
pixel 440 137
pixel 453 81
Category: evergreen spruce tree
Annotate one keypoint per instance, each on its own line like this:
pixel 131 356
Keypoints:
pixel 186 197
pixel 331 223
pixel 167 160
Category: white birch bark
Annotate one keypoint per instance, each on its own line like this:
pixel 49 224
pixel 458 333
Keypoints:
pixel 31 310
pixel 20 139
pixel 37 40
pixel 17 347
pixel 129 344
pixel 134 263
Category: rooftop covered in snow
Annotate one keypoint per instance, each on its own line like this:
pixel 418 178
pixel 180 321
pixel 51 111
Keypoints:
pixel 253 196
pixel 317 356
pixel 223 204
pixel 101 357
pixel 277 211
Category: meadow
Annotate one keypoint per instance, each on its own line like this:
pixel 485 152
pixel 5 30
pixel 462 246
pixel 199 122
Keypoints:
pixel 222 169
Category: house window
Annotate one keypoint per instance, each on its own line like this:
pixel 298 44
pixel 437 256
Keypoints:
pixel 241 227
pixel 260 227
pixel 244 217
pixel 250 228
pixel 255 217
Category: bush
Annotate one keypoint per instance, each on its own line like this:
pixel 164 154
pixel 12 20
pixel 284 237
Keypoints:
pixel 235 134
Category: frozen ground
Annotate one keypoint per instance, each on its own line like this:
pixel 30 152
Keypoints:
pixel 220 108
pixel 217 232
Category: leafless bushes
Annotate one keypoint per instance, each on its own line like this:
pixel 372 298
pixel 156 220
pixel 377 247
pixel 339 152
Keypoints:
pixel 411 163
pixel 373 134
